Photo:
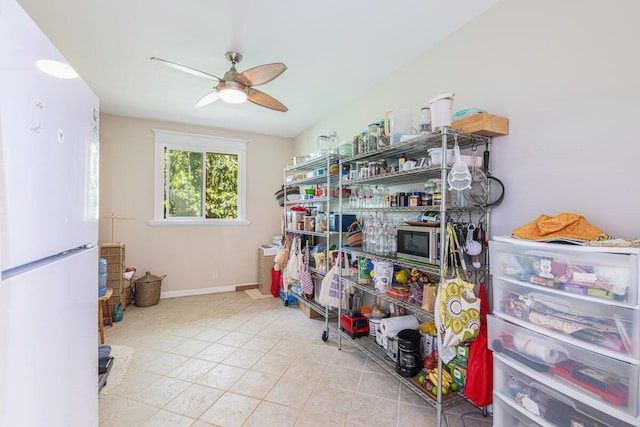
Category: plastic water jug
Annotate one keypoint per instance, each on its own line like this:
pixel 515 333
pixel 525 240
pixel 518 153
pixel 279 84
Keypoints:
pixel 102 277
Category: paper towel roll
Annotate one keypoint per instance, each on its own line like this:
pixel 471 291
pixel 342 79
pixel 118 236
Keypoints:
pixel 392 325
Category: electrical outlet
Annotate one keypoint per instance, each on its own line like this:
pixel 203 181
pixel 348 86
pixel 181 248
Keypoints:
pixel 215 275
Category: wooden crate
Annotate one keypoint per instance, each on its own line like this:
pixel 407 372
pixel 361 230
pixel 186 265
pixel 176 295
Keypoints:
pixel 483 124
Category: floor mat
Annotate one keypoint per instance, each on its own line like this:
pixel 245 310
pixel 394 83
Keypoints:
pixel 256 294
pixel 122 356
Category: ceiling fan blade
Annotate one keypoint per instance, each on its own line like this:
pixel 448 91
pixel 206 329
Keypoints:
pixel 264 100
pixel 261 74
pixel 186 69
pixel 207 99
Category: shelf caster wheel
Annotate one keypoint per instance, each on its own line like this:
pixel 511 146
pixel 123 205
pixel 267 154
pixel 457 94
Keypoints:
pixel 325 336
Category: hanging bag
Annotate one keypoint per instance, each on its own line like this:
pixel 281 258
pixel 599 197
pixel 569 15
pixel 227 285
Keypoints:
pixel 479 380
pixel 282 256
pixel 330 289
pixel 294 265
pixel 306 282
pixel 457 308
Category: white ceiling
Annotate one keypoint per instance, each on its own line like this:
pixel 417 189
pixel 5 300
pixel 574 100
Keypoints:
pixel 334 50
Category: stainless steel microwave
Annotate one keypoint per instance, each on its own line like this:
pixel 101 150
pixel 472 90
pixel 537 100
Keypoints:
pixel 417 243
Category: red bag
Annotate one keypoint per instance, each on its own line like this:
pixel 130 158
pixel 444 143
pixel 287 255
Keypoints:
pixel 479 383
pixel 275 282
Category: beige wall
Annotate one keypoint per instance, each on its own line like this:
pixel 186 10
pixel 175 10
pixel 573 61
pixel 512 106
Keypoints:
pixel 567 74
pixel 188 255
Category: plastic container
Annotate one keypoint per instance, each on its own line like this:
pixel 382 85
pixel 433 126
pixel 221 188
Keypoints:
pixel 436 156
pixel 463 114
pixel 323 145
pixel 441 114
pixel 346 149
pixel 102 277
pixel 425 120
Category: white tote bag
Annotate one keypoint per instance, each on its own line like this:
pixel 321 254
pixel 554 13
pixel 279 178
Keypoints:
pixel 330 289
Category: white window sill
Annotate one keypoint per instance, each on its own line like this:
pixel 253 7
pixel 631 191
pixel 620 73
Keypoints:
pixel 197 222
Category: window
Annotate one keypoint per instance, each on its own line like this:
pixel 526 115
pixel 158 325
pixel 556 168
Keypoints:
pixel 199 179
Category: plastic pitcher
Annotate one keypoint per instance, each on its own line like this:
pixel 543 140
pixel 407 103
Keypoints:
pixel 396 124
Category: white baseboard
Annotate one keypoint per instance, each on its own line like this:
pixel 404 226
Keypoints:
pixel 201 291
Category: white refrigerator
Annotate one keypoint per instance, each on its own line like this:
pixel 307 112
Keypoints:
pixel 48 233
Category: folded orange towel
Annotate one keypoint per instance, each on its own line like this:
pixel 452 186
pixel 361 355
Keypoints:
pixel 565 225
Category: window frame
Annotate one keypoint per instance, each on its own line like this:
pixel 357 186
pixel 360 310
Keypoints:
pixel 184 141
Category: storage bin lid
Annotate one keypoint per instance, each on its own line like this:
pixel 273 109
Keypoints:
pixel 149 278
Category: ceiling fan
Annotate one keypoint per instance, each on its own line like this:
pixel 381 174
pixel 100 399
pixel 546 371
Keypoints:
pixel 234 87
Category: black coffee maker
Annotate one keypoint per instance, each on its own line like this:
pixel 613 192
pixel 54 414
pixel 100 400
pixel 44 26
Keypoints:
pixel 409 363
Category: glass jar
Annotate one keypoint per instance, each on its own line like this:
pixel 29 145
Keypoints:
pixel 429 190
pixel 364 170
pixel 353 171
pixel 373 168
pixel 374 133
pixel 403 200
pixel 425 200
pixel 355 144
pixel 321 222
pixel 425 120
pixel 383 139
pixel 362 143
pixel 359 166
pixel 382 166
pixel 323 145
pixel 309 223
pixel 334 169
pixel 393 200
pixel 437 193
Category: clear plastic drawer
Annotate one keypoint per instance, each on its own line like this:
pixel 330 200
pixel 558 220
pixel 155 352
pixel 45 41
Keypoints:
pixel 546 402
pixel 607 329
pixel 582 374
pixel 504 414
pixel 597 273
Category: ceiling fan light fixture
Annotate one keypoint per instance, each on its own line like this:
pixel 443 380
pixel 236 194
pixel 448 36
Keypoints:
pixel 232 92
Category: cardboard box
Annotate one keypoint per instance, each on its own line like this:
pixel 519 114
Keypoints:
pixel 308 311
pixel 459 374
pixel 462 355
pixel 483 124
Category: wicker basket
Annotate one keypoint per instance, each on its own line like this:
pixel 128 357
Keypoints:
pixel 126 294
pixel 147 290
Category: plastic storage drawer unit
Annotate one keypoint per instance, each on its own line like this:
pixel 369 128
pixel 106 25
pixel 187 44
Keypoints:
pixel 600 273
pixel 607 329
pixel 603 382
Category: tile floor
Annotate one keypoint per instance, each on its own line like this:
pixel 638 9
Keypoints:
pixel 228 360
